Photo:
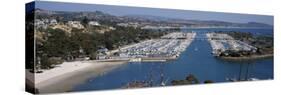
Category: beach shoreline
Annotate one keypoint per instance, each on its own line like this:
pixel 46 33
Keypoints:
pixel 69 74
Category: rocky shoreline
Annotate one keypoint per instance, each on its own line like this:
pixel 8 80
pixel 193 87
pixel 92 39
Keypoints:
pixel 248 57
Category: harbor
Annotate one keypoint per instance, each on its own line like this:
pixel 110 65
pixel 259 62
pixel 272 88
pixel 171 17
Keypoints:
pixel 90 47
pixel 197 59
pixel 222 43
pixel 168 47
pixel 157 62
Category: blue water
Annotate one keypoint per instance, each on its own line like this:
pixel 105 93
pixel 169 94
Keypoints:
pixel 255 31
pixel 198 62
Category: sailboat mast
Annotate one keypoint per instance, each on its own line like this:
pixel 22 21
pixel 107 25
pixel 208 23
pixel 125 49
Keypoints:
pixel 240 71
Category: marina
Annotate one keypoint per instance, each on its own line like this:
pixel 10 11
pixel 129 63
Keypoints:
pixel 223 42
pixel 167 47
pixel 72 47
pixel 197 59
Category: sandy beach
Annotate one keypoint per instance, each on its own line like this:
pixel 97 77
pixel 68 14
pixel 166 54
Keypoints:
pixel 63 77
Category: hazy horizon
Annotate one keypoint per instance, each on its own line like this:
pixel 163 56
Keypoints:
pixel 168 13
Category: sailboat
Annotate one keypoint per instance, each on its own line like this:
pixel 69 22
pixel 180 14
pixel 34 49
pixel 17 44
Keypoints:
pixel 163 83
pixel 162 80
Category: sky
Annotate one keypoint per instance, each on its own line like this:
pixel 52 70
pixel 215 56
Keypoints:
pixel 170 13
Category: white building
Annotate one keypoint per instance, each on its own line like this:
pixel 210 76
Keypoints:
pixel 53 22
pixel 41 23
pixel 75 24
pixel 44 23
pixel 94 23
pixel 101 56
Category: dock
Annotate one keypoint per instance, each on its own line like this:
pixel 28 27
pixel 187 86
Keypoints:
pixel 221 42
pixel 167 47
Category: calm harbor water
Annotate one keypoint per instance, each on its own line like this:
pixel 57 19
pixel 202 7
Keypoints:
pixel 196 60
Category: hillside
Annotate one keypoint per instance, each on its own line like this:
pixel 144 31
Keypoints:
pixel 106 18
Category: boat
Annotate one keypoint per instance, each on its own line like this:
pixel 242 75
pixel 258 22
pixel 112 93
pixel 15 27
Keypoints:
pixel 163 83
pixel 231 79
pixel 253 79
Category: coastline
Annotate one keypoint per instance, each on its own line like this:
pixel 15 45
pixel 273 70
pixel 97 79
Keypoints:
pixel 69 77
pixel 248 57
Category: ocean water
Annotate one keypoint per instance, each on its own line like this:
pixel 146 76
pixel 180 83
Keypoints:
pixel 255 31
pixel 196 59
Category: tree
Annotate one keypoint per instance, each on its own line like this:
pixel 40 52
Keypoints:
pixel 192 79
pixel 50 62
pixel 85 21
pixel 57 43
pixel 208 81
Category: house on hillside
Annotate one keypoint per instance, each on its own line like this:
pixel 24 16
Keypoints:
pixel 53 22
pixel 75 24
pixel 41 23
pixel 102 54
pixel 94 23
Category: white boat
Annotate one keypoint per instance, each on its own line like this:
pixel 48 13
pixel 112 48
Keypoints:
pixel 253 79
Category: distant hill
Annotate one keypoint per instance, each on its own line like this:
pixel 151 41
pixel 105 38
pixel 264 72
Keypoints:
pixel 197 22
pixel 148 18
pixel 106 17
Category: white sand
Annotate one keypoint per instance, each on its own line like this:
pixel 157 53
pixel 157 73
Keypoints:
pixel 69 74
pixel 59 70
